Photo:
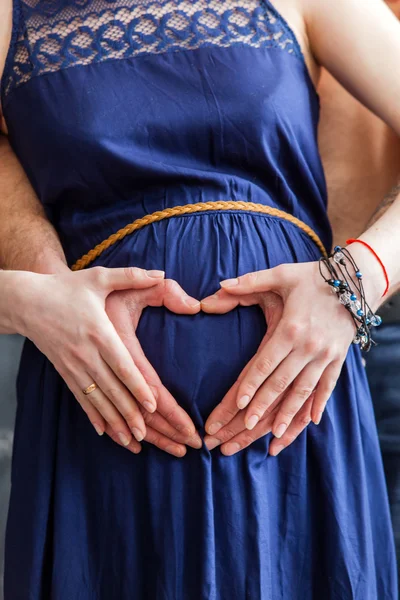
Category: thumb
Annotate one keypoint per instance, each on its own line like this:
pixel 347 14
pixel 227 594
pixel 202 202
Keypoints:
pixel 126 278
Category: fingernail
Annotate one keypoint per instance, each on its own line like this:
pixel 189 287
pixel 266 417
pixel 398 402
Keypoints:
pixel 125 441
pixel 98 429
pixel 138 434
pixel 214 428
pixel 212 443
pixel 280 430
pixel 149 406
pixel 175 450
pixel 275 451
pixel 195 442
pixel 252 421
pixel 318 419
pixel 136 450
pixel 155 273
pixel 192 302
pixel 243 402
pixel 229 282
pixel 230 449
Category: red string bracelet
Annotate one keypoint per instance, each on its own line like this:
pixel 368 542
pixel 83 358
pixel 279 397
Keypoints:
pixel 353 241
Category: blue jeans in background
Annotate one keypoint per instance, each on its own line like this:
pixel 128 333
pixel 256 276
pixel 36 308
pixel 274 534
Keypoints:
pixel 383 370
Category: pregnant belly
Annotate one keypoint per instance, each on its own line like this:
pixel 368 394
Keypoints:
pixel 199 357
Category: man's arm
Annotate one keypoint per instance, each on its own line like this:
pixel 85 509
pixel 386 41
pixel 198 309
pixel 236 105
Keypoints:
pixel 28 241
pixel 386 203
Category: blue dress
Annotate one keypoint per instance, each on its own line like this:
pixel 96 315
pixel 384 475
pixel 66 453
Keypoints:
pixel 118 109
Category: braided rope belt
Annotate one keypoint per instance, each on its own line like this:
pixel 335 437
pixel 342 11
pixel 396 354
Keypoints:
pixel 178 211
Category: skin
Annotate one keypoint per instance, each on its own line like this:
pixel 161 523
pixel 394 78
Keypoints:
pixel 42 308
pixel 361 157
pixel 30 243
pixel 294 371
pixel 284 403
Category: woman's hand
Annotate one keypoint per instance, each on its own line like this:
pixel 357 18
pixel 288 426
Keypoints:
pixel 234 436
pixel 169 427
pixel 64 315
pixel 304 353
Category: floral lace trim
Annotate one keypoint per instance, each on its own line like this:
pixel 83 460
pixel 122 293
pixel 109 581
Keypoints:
pixel 59 34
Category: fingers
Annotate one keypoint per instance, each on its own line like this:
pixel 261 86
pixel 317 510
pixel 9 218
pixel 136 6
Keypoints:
pixel 298 424
pixel 221 302
pixel 259 281
pixel 265 362
pixel 133 446
pixel 166 403
pixel 164 443
pixel 125 278
pixel 98 408
pixel 324 389
pixel 158 423
pixel 93 414
pixel 228 409
pixel 236 426
pixel 245 438
pixel 302 388
pixel 119 396
pixel 223 413
pixel 175 299
pixel 116 355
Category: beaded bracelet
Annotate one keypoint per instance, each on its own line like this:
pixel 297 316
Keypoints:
pixel 350 291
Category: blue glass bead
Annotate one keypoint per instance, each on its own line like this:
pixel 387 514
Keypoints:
pixel 336 283
pixel 337 249
pixel 360 312
pixel 376 320
pixel 358 274
pixel 367 321
pixel 353 297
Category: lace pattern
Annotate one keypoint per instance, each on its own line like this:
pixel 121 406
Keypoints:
pixel 58 34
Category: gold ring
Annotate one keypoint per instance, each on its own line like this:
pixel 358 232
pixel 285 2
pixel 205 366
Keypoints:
pixel 90 389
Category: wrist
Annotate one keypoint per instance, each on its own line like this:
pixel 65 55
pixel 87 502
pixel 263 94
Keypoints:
pixel 374 280
pixel 13 307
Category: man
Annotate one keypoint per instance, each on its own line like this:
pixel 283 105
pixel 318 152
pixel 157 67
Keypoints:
pixel 361 156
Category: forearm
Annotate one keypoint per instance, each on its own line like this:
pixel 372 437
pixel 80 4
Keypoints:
pixel 383 235
pixel 28 241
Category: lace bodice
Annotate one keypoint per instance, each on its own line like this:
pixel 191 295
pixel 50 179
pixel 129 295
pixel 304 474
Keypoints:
pixel 50 35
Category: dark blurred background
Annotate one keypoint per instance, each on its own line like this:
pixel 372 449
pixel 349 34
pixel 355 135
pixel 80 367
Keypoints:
pixel 10 350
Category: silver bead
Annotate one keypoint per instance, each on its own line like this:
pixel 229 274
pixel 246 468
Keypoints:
pixel 344 298
pixel 338 256
pixel 355 306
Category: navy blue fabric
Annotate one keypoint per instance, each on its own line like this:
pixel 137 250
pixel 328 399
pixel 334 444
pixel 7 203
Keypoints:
pixel 108 142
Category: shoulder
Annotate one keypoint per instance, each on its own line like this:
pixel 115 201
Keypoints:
pixel 5 30
pixel 295 14
pixel 5 34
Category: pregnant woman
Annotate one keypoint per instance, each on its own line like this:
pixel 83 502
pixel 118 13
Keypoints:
pixel 180 137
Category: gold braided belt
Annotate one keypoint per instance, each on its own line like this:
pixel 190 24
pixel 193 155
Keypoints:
pixel 178 211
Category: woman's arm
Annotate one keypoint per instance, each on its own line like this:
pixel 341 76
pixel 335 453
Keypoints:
pixel 359 43
pixel 296 368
